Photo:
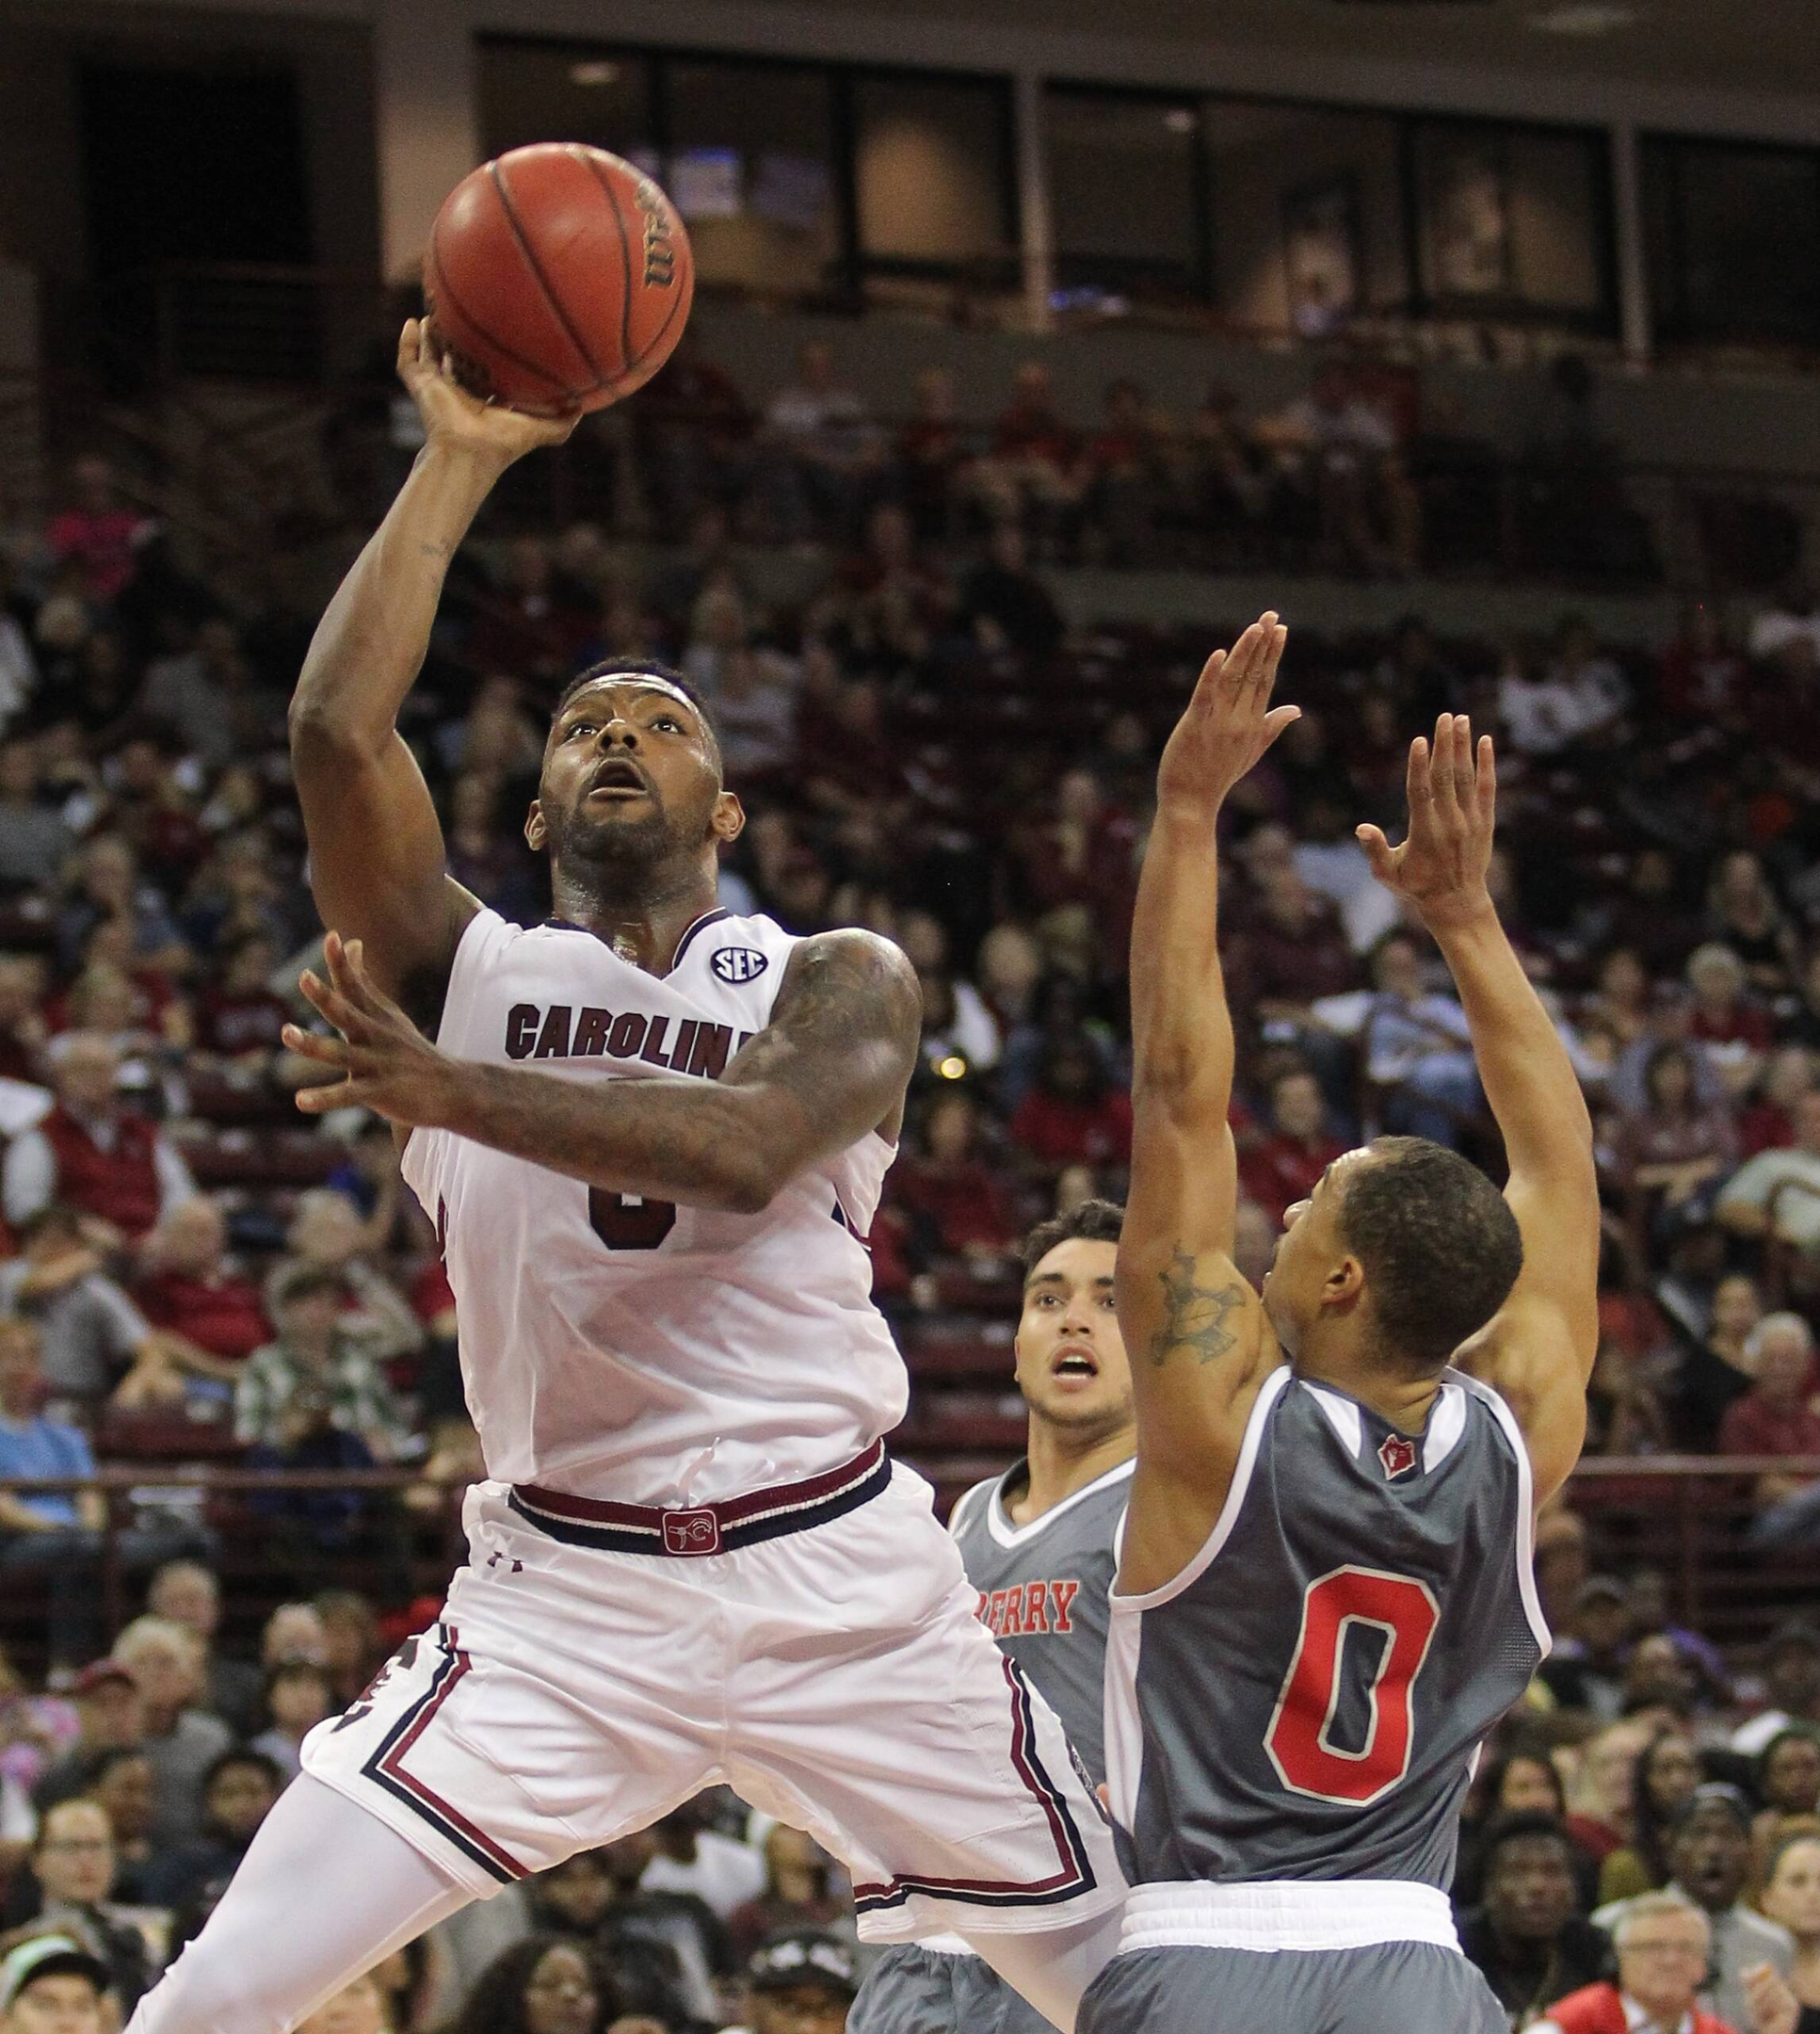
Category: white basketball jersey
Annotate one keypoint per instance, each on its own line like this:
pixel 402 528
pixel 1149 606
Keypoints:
pixel 634 1350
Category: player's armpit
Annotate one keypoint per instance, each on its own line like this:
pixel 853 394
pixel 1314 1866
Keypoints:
pixel 836 1055
pixel 1529 1355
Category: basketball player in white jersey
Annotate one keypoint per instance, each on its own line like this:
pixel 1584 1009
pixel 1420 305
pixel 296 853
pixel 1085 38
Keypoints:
pixel 652 1135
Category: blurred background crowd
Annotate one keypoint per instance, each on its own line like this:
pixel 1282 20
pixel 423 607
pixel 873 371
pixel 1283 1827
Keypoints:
pixel 226 1342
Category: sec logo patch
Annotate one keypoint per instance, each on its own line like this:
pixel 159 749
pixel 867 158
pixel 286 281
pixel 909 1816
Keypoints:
pixel 739 963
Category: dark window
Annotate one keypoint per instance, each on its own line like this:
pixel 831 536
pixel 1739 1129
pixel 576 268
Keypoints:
pixel 1733 241
pixel 1127 191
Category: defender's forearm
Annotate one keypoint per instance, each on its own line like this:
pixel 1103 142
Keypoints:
pixel 1182 1030
pixel 373 637
pixel 1528 1078
pixel 695 1142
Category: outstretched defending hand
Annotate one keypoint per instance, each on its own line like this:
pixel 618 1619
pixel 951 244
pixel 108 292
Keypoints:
pixel 1229 724
pixel 1453 804
pixel 454 417
pixel 391 1067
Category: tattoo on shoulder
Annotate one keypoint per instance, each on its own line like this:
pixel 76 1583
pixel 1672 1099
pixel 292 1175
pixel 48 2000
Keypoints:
pixel 849 985
pixel 1195 1317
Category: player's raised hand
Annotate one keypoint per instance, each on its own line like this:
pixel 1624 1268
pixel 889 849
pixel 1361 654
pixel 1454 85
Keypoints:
pixel 1229 724
pixel 454 415
pixel 388 1064
pixel 1453 791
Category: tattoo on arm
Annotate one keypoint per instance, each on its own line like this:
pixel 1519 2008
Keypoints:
pixel 1194 1316
pixel 850 1007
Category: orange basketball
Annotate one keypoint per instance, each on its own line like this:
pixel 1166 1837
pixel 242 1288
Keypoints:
pixel 560 276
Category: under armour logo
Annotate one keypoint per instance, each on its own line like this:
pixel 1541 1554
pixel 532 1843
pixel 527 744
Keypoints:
pixel 1397 1455
pixel 518 1566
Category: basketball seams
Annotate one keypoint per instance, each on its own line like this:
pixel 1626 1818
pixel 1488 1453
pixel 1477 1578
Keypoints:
pixel 627 362
pixel 543 280
pixel 445 289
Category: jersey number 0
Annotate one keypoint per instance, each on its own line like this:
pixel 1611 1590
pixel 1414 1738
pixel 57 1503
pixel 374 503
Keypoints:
pixel 1403 1614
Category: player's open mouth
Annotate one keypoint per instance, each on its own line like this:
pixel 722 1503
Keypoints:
pixel 617 779
pixel 1074 1362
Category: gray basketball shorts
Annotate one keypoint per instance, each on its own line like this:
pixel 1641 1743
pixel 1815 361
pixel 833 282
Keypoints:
pixel 910 1990
pixel 1387 1988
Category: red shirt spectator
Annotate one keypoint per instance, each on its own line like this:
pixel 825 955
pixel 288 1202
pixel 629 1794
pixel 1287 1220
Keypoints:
pixel 1073 1114
pixel 189 1291
pixel 1776 1416
pixel 98 532
pixel 1284 1168
pixel 952 1193
pixel 1600 2009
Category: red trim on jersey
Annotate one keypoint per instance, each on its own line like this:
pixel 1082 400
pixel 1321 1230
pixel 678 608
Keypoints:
pixel 392 1765
pixel 1075 1874
pixel 706 919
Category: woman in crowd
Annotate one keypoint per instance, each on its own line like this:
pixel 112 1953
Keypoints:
pixel 1666 1774
pixel 546 1984
pixel 1717 1371
pixel 1792 1896
pixel 1673 1152
pixel 1788 1784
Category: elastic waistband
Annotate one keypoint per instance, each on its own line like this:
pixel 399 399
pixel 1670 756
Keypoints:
pixel 691 1532
pixel 1286 1913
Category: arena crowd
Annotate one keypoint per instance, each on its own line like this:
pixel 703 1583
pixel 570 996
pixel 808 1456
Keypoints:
pixel 926 746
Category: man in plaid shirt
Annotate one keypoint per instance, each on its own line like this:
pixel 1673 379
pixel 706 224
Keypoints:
pixel 315 1379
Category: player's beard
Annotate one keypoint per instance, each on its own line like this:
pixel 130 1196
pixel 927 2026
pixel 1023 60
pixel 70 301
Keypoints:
pixel 616 847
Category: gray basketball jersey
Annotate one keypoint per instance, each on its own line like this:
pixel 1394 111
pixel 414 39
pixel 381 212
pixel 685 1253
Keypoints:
pixel 1306 1699
pixel 1042 1593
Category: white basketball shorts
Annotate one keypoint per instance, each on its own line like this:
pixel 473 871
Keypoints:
pixel 835 1676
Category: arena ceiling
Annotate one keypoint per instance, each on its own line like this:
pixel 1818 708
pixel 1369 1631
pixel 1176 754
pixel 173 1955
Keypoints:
pixel 1767 45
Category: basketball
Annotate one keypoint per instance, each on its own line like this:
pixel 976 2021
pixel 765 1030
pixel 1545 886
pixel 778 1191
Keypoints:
pixel 559 276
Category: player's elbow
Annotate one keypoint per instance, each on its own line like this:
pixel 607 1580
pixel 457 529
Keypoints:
pixel 324 735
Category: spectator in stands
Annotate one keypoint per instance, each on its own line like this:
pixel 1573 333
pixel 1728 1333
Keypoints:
pixel 1003 604
pixel 1717 1371
pixel 957 1203
pixel 1747 917
pixel 209 696
pixel 1791 1687
pixel 353 1644
pixel 1130 481
pixel 1526 1937
pixel 314 1398
pixel 800 1983
pixel 1034 477
pixel 298 1696
pixel 1417 1052
pixel 35 843
pixel 546 1984
pixel 356 2008
pixel 692 1857
pixel 109 1714
pixel 1073 1114
pixel 57 1536
pixel 110 887
pixel 98 532
pixel 1778 1192
pixel 1591 683
pixel 1284 1166
pixel 1788 1784
pixel 1710 1851
pixel 1778 1416
pixel 238 1792
pixel 185 1289
pixel 73 1863
pixel 94 1342
pixel 294 1631
pixel 1672 1153
pixel 800 1893
pixel 824 454
pixel 327 1233
pixel 1663 1943
pixel 751 691
pixel 1791 1896
pixel 239 1016
pixel 189 1594
pixel 1585 1668
pixel 50 1984
pixel 92 1152
pixel 1666 1774
pixel 1734 1030
pixel 125 1786
pixel 1604 1786
pixel 166 1660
